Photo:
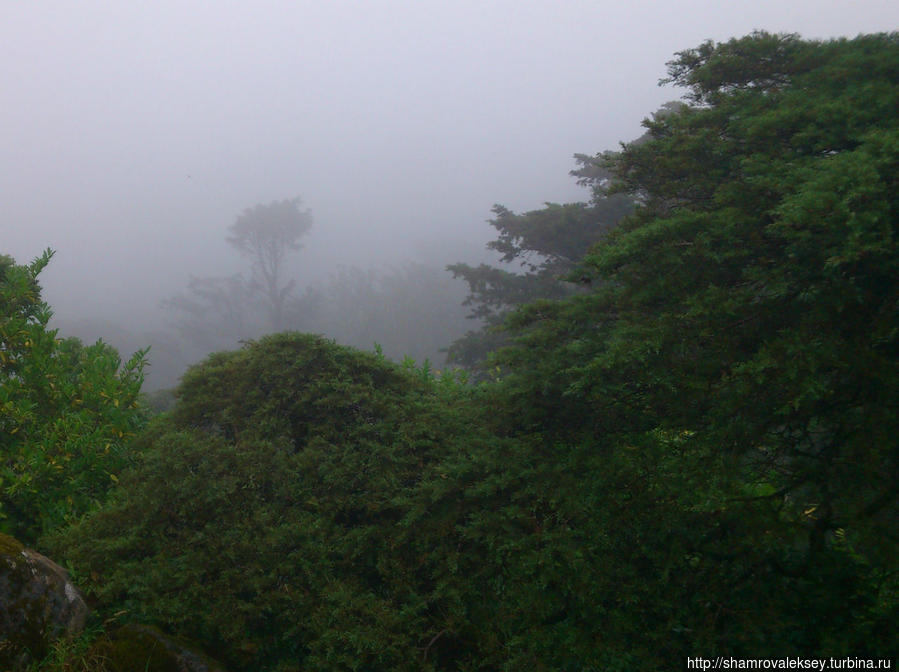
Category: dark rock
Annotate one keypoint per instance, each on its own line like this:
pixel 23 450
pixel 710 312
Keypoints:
pixel 38 605
pixel 140 647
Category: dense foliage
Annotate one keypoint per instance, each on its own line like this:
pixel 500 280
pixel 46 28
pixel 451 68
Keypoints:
pixel 538 250
pixel 271 513
pixel 66 411
pixel 748 313
pixel 692 455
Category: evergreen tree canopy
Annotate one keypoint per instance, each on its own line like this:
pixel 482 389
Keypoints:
pixel 546 245
pixel 744 319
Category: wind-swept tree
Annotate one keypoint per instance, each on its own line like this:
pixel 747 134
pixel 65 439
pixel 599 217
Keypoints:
pixel 266 234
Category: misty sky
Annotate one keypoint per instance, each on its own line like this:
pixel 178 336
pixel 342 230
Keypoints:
pixel 133 133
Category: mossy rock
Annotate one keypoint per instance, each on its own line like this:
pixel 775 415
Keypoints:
pixel 141 648
pixel 38 605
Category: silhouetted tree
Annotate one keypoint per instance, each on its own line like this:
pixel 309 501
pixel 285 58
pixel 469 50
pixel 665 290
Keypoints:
pixel 265 234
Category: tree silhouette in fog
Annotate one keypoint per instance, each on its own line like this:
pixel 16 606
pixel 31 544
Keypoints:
pixel 265 234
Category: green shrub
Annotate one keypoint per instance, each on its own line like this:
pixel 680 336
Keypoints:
pixel 268 516
pixel 67 412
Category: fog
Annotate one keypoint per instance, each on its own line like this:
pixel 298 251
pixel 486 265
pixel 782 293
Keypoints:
pixel 133 134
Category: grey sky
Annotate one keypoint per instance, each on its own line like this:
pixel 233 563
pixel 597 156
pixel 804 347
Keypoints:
pixel 133 133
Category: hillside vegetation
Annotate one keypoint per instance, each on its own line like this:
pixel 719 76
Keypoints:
pixel 689 449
